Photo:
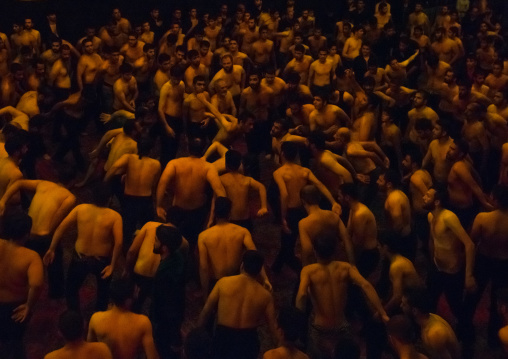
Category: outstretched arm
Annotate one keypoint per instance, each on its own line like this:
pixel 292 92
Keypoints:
pixel 166 178
pixel 369 292
pixel 261 189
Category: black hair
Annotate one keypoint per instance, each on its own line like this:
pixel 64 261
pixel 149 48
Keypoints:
pixel 163 58
pixel 148 47
pixel 325 246
pixel 393 177
pixel 293 77
pixel 233 160
pixel 16 225
pixel 252 262
pixel 70 325
pixel 310 195
pixel 14 144
pixel 351 190
pixel 292 322
pixel 318 139
pixel 290 150
pixel 299 48
pixel 400 327
pixel 192 53
pixel 120 290
pixel 126 68
pixel 500 194
pixel 176 71
pixel 198 78
pixel 198 344
pixel 100 195
pixel 169 237
pixel 222 207
pixel 196 147
pixel 419 299
pixel 145 145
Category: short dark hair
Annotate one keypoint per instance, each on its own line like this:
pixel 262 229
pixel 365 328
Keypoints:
pixel 15 143
pixel 120 290
pixel 393 177
pixel 163 58
pixel 126 68
pixel 318 139
pixel 290 150
pixel 70 325
pixel 252 262
pixel 400 327
pixel 169 237
pixel 350 189
pixel 222 207
pixel 419 299
pixel 500 194
pixel 101 194
pixel 196 147
pixel 198 78
pixel 293 323
pixel 145 145
pixel 233 160
pixel 176 71
pixel 293 77
pixel 310 194
pixel 325 246
pixel 16 225
pixel 148 47
pixel 299 48
pixel 192 53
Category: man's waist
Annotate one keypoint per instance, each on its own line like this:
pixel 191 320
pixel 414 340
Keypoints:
pixel 91 256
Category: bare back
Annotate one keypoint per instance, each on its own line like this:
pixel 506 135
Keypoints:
pixel 190 182
pixel 142 175
pixel 237 189
pixel 295 177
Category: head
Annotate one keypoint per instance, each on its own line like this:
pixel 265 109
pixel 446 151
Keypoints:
pixel 133 39
pixel 479 78
pixel 167 240
pixel 87 45
pixel 497 68
pixel 388 181
pixel 233 160
pixel 16 226
pixel 289 151
pixel 280 127
pixel 298 38
pixel 342 136
pixel 246 121
pixel 416 303
pixel 348 194
pixel 16 145
pixel 310 195
pixel 292 324
pixel 221 87
pixel 227 63
pixel 101 195
pixel 319 101
pixel 145 145
pixel 254 80
pixel 458 150
pixel 196 147
pixel 439 33
pixel 474 111
pixel 70 326
pixel 464 88
pixel 154 13
pixel 199 83
pixel 500 196
pixel 204 47
pixel 126 71
pixel 383 8
pixel 194 58
pixel 359 31
pixel 56 43
pixel 176 74
pixel 418 31
pixel 323 54
pixel 233 45
pixel 263 32
pixel 441 130
pixel 121 292
pixel 299 52
pixel 149 50
pixel 325 246
pixel 40 68
pixel 412 161
pixel 435 199
pixel 420 99
pixel 400 331
pixel 117 15
pixel 222 208
pixel 252 263
pixel 29 24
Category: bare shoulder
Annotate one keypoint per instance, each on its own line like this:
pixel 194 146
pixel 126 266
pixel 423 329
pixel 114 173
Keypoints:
pixel 503 336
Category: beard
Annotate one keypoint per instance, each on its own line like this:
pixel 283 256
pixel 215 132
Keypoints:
pixel 429 206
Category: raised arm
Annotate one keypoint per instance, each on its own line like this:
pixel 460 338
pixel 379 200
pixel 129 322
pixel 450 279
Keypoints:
pixel 214 180
pixel 369 292
pixel 108 136
pixel 117 246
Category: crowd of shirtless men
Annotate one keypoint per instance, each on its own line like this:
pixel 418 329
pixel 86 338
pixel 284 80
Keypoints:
pixel 388 143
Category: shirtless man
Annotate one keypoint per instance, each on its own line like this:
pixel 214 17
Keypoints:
pixel 278 87
pixel 97 248
pixel 223 99
pixel 292 323
pixel 221 248
pixel 300 64
pixel 196 68
pixel 125 333
pixel 237 187
pixel 30 36
pixel 194 110
pixel 463 185
pixel 327 117
pixel 162 74
pixel 18 118
pixel 125 90
pixel 16 147
pixel 402 274
pixel 452 256
pixel 317 222
pixel 475 134
pixel 257 99
pixel 52 54
pixel 420 110
pixel 398 213
pixel 326 283
pixel 189 178
pixel 262 51
pixel 290 179
pixel 233 75
pixel 133 49
pixel 71 328
pixel 21 284
pixel 89 65
pixel 239 58
pixel 499 104
pixel 420 181
pixel 170 114
pixel 401 336
pixel 50 204
pixel 249 36
pixel 241 303
pixel 60 75
pixel 141 177
pixel 489 233
pixel 123 25
pixel 437 152
pixel 110 72
pixel 497 81
pixel 321 73
pixel 437 335
pixel 353 44
pixel 445 48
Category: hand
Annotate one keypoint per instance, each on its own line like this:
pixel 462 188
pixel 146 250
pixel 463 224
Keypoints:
pixel 132 103
pixel 386 162
pixel 262 212
pixel 337 208
pixel 202 97
pixel 20 313
pixel 170 132
pixel 285 227
pixel 105 117
pixel 470 284
pixel 49 257
pixel 205 122
pixel 267 285
pixel 106 272
pixel 161 213
pixel 363 178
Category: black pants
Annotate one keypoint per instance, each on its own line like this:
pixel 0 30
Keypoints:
pixel 232 343
pixel 190 222
pixel 245 223
pixel 487 270
pixel 465 215
pixel 258 141
pixel 40 244
pixel 70 142
pixel 167 335
pixel 452 286
pixel 92 107
pixel 145 285
pixel 368 261
pixel 169 145
pixel 11 333
pixel 79 268
pixel 368 191
pixel 136 210
pixel 287 246
pixel 422 231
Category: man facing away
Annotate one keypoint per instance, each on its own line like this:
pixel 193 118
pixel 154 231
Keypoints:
pixel 125 333
pixel 241 303
pixel 70 326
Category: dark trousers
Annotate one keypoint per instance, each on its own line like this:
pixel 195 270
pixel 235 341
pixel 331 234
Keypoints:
pixel 70 142
pixel 422 231
pixel 136 210
pixel 79 268
pixel 190 222
pixel 258 141
pixel 40 244
pixel 11 333
pixel 169 145
pixel 287 246
pixel 92 107
pixel 167 336
pixel 367 191
pixel 232 343
pixel 145 285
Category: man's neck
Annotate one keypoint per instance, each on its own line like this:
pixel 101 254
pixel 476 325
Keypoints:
pixel 221 221
pixel 444 139
pixel 75 343
pixel 436 211
pixel 312 208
